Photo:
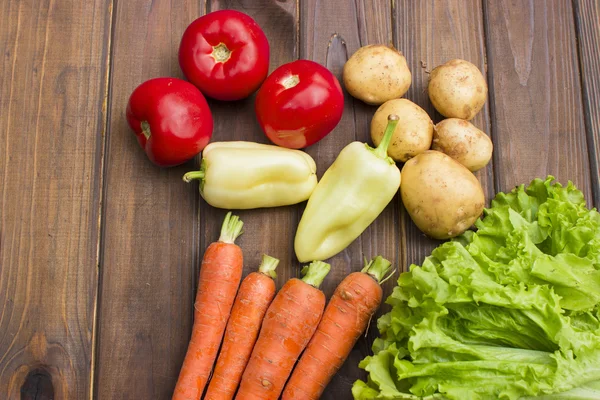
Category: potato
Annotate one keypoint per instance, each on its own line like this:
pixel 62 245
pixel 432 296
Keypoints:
pixel 376 74
pixel 412 135
pixel 462 141
pixel 442 197
pixel 457 89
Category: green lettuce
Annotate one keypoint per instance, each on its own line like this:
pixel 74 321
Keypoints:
pixel 511 311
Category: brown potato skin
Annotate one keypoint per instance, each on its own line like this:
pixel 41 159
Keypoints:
pixel 462 141
pixel 376 74
pixel 413 134
pixel 442 197
pixel 457 89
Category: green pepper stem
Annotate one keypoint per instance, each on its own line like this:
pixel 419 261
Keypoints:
pixel 190 176
pixel 315 273
pixel 268 265
pixel 381 150
pixel 231 228
pixel 377 268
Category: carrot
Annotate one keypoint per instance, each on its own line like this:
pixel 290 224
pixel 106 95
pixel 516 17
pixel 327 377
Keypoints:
pixel 220 276
pixel 346 317
pixel 291 320
pixel 255 295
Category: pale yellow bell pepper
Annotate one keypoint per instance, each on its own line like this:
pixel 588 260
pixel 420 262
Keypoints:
pixel 245 175
pixel 351 194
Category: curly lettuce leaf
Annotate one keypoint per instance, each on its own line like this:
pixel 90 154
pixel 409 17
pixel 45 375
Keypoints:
pixel 509 311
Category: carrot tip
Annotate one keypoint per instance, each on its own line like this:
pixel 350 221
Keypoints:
pixel 268 265
pixel 378 268
pixel 231 228
pixel 315 273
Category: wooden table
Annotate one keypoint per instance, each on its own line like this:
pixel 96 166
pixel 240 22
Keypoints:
pixel 100 250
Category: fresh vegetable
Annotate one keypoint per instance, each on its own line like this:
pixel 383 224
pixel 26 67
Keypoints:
pixel 244 175
pixel 290 322
pixel 462 141
pixel 225 54
pixel 299 104
pixel 351 194
pixel 220 276
pixel 253 298
pixel 457 89
pixel 376 74
pixel 442 197
pixel 171 120
pixel 508 312
pixel 346 317
pixel 412 135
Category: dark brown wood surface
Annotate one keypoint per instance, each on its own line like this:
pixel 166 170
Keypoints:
pixel 100 250
pixel 53 89
pixel 535 98
pixel 587 18
pixel 150 246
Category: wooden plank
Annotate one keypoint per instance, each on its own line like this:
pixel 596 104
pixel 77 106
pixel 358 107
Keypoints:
pixel 270 231
pixel 538 125
pixel 587 19
pixel 431 33
pixel 330 33
pixel 53 86
pixel 150 244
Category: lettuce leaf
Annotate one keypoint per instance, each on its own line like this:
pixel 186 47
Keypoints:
pixel 507 312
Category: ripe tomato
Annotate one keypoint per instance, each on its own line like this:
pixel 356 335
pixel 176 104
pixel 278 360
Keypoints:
pixel 299 104
pixel 225 54
pixel 171 120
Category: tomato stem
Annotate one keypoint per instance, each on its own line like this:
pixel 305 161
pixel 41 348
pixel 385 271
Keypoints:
pixel 290 81
pixel 221 53
pixel 146 129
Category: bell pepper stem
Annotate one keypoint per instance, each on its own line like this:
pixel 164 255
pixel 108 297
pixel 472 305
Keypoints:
pixel 190 176
pixel 231 228
pixel 315 273
pixel 377 268
pixel 381 150
pixel 268 265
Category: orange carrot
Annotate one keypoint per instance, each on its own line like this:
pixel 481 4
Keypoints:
pixel 255 295
pixel 220 276
pixel 291 320
pixel 346 317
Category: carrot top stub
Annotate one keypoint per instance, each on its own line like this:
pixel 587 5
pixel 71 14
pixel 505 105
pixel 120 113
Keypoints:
pixel 231 228
pixel 378 268
pixel 268 265
pixel 315 273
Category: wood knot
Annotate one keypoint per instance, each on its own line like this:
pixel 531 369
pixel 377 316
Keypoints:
pixel 38 385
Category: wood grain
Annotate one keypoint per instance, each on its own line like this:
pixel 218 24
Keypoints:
pixel 587 18
pixel 430 33
pixel 330 33
pixel 536 102
pixel 269 231
pixel 52 91
pixel 150 243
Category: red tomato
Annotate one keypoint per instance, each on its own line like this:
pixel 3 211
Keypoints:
pixel 171 120
pixel 299 104
pixel 225 54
